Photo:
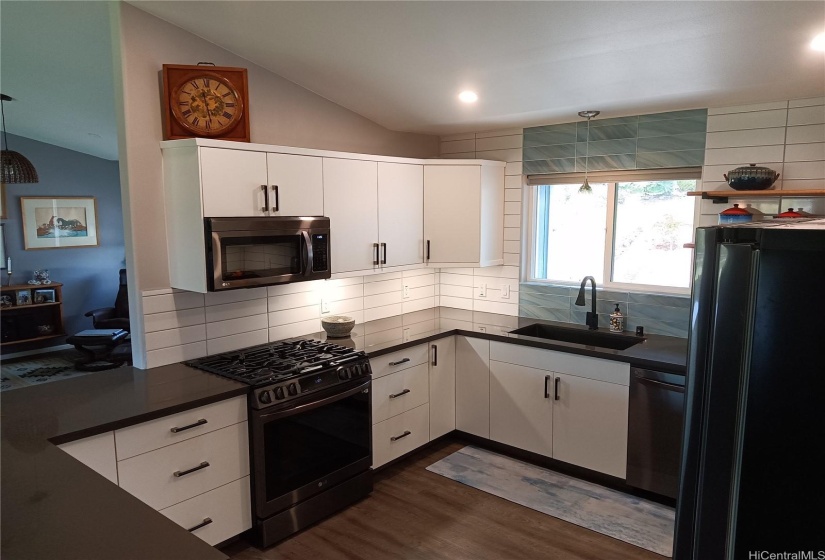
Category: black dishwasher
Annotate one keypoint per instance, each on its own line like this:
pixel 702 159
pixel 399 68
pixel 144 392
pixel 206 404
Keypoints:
pixel 654 430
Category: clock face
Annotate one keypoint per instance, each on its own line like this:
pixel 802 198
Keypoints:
pixel 206 104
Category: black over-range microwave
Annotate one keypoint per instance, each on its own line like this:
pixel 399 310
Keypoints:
pixel 264 251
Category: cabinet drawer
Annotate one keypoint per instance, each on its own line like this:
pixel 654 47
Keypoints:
pixel 228 509
pixel 399 392
pixel 151 477
pixel 403 359
pixel 155 434
pixel 96 452
pixel 561 362
pixel 385 448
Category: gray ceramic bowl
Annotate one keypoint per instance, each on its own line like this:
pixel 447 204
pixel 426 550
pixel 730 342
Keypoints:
pixel 337 326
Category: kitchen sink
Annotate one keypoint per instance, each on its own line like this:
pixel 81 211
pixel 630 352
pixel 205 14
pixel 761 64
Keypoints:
pixel 601 339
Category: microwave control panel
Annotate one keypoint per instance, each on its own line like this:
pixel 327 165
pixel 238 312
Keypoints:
pixel 320 252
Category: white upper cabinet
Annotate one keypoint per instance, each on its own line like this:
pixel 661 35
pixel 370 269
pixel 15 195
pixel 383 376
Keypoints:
pixel 296 185
pixel 351 203
pixel 233 182
pixel 400 214
pixel 464 214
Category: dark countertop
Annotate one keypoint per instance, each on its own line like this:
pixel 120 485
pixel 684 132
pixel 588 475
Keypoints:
pixel 54 507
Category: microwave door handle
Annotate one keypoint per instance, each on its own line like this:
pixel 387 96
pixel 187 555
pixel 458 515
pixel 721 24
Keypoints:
pixel 308 253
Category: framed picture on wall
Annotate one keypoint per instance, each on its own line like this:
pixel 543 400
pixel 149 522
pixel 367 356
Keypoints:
pixel 58 223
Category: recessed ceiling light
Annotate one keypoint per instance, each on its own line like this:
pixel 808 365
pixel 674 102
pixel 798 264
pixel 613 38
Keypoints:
pixel 468 96
pixel 818 44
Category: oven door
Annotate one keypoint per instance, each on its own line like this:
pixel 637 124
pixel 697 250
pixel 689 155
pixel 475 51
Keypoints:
pixel 314 444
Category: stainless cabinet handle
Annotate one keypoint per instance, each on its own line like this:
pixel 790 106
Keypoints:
pixel 435 354
pixel 266 199
pixel 547 379
pixel 399 362
pixel 200 422
pixel 178 474
pixel 206 521
pixel 277 206
pixel 556 389
pixel 384 247
pixel 401 394
pixel 405 434
pixel 375 260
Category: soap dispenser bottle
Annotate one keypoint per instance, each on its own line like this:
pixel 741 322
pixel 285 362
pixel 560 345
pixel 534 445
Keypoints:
pixel 616 320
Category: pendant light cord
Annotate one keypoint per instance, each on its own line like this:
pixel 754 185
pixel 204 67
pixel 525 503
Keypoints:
pixel 3 113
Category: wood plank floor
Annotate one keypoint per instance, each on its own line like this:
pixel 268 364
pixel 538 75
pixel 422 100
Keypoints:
pixel 414 514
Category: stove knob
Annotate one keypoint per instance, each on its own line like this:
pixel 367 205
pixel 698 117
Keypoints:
pixel 342 373
pixel 265 397
pixel 279 393
pixel 293 389
pixel 355 370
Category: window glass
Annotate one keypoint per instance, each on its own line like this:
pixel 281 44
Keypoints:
pixel 570 234
pixel 653 221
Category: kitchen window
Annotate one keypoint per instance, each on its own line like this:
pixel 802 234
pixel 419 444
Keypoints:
pixel 629 232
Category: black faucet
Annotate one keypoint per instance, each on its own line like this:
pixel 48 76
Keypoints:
pixel 592 320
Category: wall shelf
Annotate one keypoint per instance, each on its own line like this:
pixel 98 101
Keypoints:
pixel 723 196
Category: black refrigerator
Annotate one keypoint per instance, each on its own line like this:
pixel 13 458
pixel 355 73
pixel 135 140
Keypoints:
pixel 753 454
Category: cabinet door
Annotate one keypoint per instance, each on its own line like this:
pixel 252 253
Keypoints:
pixel 231 182
pixel 590 424
pixel 401 213
pixel 351 203
pixel 521 407
pixel 452 210
pixel 296 185
pixel 472 386
pixel 96 452
pixel 442 387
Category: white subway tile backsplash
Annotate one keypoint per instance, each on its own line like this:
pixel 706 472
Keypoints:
pixel 512 234
pixel 513 182
pixel 807 102
pixel 296 315
pixel 345 306
pixel 496 307
pixel 805 134
pixel 805 170
pixel 806 115
pixel 748 108
pixel 742 138
pixel 173 319
pixel 343 292
pixel 458 146
pixel 296 288
pixel 172 302
pixel 805 152
pixel 502 132
pixel 513 154
pixel 382 277
pixel 513 168
pixel 450 279
pixel 383 311
pixel 512 259
pixel 231 296
pixel 234 310
pixel 175 337
pixel 462 136
pixel 418 304
pixel 294 329
pixel 235 326
pixel 289 301
pixel 418 281
pixel 512 195
pixel 233 342
pixel 789 184
pixel 512 246
pixel 512 220
pixel 457 302
pixel 753 154
pixel 499 142
pixel 380 300
pixel 174 354
pixel 418 272
pixel 747 121
pixel 512 208
pixel 421 292
pixel 373 288
pixel 457 291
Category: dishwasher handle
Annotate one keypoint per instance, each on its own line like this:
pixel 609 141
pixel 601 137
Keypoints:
pixel 641 377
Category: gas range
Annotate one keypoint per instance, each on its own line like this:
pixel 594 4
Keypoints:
pixel 286 370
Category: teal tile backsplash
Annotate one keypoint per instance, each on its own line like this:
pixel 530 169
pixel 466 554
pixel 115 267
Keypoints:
pixel 657 313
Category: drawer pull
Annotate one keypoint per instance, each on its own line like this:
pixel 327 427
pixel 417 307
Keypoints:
pixel 200 422
pixel 193 469
pixel 405 434
pixel 401 394
pixel 206 521
pixel 399 362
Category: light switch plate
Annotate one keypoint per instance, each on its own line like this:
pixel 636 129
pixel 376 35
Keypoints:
pixel 482 290
pixel 406 292
pixel 324 306
pixel 405 335
pixel 505 291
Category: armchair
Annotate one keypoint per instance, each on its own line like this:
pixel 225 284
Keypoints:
pixel 116 317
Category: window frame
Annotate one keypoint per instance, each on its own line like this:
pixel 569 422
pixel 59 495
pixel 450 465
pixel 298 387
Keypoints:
pixel 531 234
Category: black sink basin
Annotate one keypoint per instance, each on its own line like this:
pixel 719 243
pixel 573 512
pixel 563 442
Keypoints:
pixel 602 339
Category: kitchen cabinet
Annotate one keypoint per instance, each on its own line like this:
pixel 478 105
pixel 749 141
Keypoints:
pixel 464 214
pixel 376 214
pixel 472 386
pixel 568 407
pixel 96 452
pixel 442 387
pixel 399 392
pixel 521 407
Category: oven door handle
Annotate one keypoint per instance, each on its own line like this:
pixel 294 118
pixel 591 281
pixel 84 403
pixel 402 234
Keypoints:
pixel 315 404
pixel 308 253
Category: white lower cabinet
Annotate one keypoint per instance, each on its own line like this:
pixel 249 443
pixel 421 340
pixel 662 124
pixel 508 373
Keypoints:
pixel 472 386
pixel 399 392
pixel 216 515
pixel 521 407
pixel 442 387
pixel 96 452
pixel 400 434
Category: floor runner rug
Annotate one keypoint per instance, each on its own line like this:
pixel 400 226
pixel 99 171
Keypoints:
pixel 634 520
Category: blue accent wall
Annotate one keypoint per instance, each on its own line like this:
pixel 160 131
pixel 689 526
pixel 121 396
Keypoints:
pixel 89 274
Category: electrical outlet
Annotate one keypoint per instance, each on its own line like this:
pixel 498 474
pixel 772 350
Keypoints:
pixel 324 306
pixel 406 292
pixel 482 329
pixel 505 291
pixel 405 335
pixel 482 290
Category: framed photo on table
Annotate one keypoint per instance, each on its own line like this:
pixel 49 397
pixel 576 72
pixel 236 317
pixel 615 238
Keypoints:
pixel 58 223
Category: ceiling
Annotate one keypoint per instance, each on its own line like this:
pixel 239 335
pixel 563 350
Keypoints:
pixel 402 64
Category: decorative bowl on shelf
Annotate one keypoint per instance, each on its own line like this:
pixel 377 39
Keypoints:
pixel 337 326
pixel 751 178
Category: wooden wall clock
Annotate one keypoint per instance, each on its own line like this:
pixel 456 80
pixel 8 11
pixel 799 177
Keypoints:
pixel 205 102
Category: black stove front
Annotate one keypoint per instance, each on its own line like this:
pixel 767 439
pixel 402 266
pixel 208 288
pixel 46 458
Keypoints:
pixel 310 423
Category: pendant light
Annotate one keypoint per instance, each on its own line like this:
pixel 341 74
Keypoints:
pixel 15 167
pixel 585 188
